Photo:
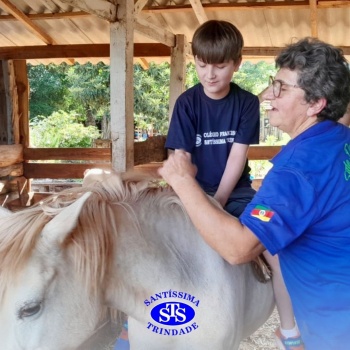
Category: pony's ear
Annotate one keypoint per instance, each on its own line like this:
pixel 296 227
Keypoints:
pixel 56 230
pixel 4 213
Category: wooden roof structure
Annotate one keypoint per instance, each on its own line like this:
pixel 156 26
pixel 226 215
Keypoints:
pixel 43 31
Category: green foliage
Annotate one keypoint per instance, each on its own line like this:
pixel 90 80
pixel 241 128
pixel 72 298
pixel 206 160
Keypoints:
pixel 191 75
pixel 254 77
pixel 84 91
pixel 89 89
pixel 48 88
pixel 259 168
pixel 151 96
pixel 61 130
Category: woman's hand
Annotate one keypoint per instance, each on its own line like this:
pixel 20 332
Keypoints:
pixel 177 168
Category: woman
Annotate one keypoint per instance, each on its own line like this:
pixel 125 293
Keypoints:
pixel 301 210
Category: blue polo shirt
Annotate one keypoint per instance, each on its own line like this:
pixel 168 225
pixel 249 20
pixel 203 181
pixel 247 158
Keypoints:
pixel 302 212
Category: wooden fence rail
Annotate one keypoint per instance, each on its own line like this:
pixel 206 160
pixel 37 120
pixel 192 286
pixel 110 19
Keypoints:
pixel 100 158
pixel 39 163
pixel 19 164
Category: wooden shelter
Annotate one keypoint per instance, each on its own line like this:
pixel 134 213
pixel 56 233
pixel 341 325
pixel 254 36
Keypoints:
pixel 121 32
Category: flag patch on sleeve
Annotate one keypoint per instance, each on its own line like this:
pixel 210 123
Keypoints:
pixel 262 213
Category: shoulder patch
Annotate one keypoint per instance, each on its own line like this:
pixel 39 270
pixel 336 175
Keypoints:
pixel 262 213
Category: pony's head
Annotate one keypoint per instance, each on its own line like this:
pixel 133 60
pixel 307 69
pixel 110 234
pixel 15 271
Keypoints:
pixel 53 262
pixel 55 258
pixel 38 285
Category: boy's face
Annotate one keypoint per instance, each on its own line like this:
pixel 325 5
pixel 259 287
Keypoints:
pixel 216 78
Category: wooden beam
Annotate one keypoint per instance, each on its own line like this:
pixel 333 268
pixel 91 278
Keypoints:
pixel 199 11
pixel 12 170
pixel 75 171
pixel 234 6
pixel 121 87
pixel 323 4
pixel 138 7
pixel 154 32
pixel 13 10
pixel 151 50
pixel 54 51
pixel 151 150
pixel 142 156
pixel 261 51
pixel 137 10
pixel 103 50
pixel 104 154
pixel 313 18
pixel 59 171
pixel 177 71
pixel 262 152
pixel 100 8
pixel 10 154
pixel 8 99
pixel 48 16
pixel 143 63
pixel 88 154
pixel 76 51
pixel 12 103
pixel 21 76
pixel 274 51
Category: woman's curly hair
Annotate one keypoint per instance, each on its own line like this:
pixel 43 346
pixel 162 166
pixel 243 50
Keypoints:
pixel 323 72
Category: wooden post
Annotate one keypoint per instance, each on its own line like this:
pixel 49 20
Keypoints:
pixel 9 121
pixel 177 71
pixel 20 69
pixel 122 96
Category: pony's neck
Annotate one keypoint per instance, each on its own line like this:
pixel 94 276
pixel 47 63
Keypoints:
pixel 161 251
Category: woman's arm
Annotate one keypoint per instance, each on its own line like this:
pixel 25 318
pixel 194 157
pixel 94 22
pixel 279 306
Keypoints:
pixel 223 232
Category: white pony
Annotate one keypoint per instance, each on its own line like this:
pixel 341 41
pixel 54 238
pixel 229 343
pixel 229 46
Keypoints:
pixel 127 245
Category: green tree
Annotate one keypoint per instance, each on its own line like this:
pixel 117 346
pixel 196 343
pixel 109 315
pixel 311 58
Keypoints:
pixel 191 75
pixel 48 88
pixel 89 91
pixel 61 130
pixel 151 95
pixel 84 90
pixel 254 77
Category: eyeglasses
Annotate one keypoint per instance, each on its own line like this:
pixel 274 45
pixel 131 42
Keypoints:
pixel 277 86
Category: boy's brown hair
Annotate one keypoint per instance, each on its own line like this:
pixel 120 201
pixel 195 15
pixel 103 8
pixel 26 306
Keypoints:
pixel 217 42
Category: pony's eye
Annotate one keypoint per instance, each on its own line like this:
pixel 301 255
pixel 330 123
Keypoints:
pixel 29 310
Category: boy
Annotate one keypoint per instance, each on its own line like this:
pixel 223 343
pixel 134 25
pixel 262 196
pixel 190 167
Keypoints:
pixel 216 121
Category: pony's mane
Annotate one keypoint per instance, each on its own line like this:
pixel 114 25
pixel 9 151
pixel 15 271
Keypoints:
pixel 92 241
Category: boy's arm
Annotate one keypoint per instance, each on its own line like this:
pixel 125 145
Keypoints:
pixel 233 171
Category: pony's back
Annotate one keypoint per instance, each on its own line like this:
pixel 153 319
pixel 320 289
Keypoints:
pixel 126 243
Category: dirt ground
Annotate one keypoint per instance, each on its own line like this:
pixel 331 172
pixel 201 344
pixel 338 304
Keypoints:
pixel 263 338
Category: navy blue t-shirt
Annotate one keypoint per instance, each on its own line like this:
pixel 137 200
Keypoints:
pixel 207 129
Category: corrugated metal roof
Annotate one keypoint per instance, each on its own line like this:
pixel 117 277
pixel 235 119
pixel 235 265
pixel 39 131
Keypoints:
pixel 263 23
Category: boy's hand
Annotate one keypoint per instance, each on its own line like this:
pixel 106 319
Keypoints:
pixel 177 168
